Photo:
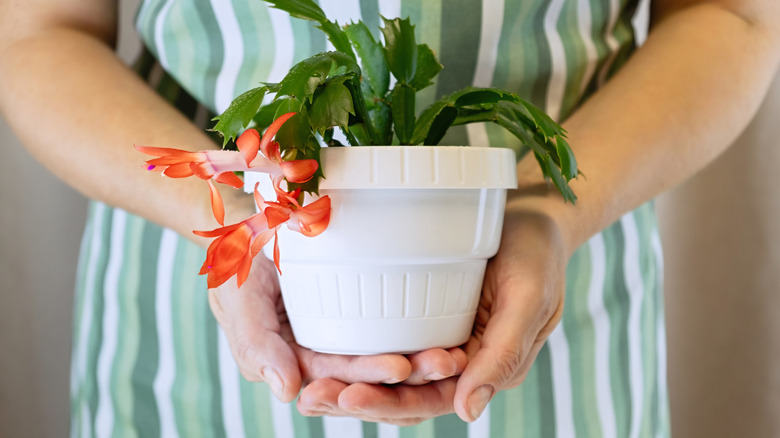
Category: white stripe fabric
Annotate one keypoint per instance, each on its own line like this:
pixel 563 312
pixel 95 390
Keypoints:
pixel 611 40
pixel 284 43
pixel 159 40
pixel 480 428
pixel 166 366
pixel 557 84
pixel 634 286
pixel 490 34
pixel 342 427
pixel 561 378
pixel 340 11
pixel 390 8
pixel 282 417
pixel 233 45
pixel 601 328
pixel 388 431
pixel 585 26
pixel 104 422
pixel 231 388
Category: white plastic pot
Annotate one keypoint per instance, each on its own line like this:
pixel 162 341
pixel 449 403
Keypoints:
pixel 400 267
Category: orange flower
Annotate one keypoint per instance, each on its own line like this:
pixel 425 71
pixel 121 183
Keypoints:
pixel 235 246
pixel 217 165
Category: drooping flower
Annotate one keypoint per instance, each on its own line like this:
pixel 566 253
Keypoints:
pixel 220 165
pixel 234 246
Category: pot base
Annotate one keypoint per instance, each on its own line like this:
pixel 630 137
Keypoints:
pixel 379 336
pixel 384 308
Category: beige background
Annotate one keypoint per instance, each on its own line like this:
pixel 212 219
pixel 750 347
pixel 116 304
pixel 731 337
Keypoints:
pixel 721 236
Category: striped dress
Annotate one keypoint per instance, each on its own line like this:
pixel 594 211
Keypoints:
pixel 149 359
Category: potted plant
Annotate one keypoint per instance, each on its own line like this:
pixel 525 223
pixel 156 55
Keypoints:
pixel 386 244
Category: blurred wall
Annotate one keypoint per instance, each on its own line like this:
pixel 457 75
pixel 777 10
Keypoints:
pixel 721 232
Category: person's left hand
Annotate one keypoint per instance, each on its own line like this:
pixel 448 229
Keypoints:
pixel 521 303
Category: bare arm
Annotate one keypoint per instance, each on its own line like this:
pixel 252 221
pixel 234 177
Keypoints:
pixel 679 102
pixel 79 111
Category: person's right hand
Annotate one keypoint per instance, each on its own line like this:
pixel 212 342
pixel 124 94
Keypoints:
pixel 261 340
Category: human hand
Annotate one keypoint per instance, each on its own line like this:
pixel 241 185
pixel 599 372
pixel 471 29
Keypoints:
pixel 261 340
pixel 521 303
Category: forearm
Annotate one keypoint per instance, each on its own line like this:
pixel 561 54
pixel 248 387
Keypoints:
pixel 679 102
pixel 79 111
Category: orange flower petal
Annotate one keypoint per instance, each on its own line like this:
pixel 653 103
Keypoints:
pixel 276 215
pixel 268 135
pixel 217 207
pixel 231 179
pixel 249 143
pixel 276 253
pixel 180 170
pixel 299 171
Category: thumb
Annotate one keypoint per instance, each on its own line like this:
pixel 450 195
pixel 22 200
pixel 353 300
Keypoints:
pixel 501 357
pixel 251 321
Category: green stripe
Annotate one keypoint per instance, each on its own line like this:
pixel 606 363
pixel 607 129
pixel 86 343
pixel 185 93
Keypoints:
pixel 529 415
pixel 369 13
pixel 649 317
pixel 306 426
pixel 624 33
pixel 128 324
pixel 86 393
pixel 499 413
pixel 576 57
pixel 600 12
pixel 179 50
pixel 431 34
pixel 450 426
pixel 459 55
pixel 255 48
pixel 546 393
pixel 579 329
pixel 145 412
pixel 617 303
pixel 214 43
pixel 193 52
pixel 370 430
pixel 212 360
pixel 191 390
pixel 541 55
pixel 426 429
pixel 147 25
pixel 256 409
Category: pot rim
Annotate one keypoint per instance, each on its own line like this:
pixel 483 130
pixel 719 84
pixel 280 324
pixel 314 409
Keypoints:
pixel 415 167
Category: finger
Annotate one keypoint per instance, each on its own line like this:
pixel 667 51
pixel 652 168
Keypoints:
pixel 513 332
pixel 398 402
pixel 320 397
pixel 436 364
pixel 383 368
pixel 250 320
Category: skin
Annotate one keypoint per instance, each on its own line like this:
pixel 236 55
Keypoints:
pixel 677 104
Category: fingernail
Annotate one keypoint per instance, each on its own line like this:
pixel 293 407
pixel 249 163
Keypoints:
pixel 391 381
pixel 479 400
pixel 434 376
pixel 271 377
